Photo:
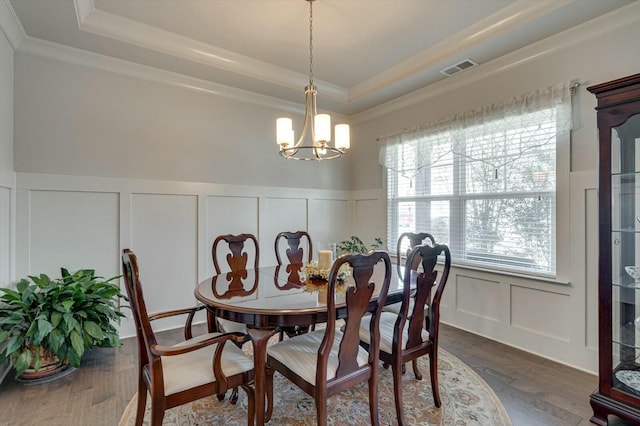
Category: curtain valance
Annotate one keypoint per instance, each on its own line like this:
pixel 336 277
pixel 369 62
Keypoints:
pixel 473 134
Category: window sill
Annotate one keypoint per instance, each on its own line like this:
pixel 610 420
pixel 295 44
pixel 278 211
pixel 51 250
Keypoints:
pixel 532 277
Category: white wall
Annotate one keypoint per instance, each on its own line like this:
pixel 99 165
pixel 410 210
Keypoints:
pixel 554 319
pixel 7 176
pixel 79 120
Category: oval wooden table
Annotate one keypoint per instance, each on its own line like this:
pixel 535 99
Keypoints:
pixel 267 299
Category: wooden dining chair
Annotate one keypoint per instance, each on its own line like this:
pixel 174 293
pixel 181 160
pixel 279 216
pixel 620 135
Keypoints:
pixel 295 259
pixel 233 247
pixel 236 256
pixel 415 239
pixel 197 367
pixel 295 252
pixel 413 332
pixel 325 362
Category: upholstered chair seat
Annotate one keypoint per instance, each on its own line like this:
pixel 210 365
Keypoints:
pixel 300 353
pixel 192 369
pixel 387 324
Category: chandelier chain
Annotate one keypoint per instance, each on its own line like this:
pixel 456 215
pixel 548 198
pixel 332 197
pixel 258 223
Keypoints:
pixel 311 43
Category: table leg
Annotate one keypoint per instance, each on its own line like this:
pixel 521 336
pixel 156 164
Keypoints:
pixel 259 339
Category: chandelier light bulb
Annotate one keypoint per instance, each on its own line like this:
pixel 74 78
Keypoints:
pixel 322 127
pixel 284 132
pixel 343 138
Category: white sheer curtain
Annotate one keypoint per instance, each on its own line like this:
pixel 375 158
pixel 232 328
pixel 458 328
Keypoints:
pixel 473 134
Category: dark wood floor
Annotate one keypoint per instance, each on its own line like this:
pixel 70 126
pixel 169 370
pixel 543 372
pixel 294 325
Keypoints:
pixel 535 391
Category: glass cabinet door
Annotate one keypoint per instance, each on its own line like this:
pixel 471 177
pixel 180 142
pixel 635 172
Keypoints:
pixel 625 260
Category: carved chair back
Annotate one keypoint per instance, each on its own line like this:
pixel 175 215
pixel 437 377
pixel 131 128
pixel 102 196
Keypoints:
pixel 415 239
pixel 359 292
pixel 237 257
pixel 295 252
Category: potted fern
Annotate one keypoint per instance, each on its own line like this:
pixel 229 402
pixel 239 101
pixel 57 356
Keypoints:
pixel 46 323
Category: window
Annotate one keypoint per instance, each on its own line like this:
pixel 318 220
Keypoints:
pixel 484 183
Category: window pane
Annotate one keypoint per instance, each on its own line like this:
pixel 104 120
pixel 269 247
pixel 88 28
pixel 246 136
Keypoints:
pixel 486 188
pixel 423 216
pixel 514 232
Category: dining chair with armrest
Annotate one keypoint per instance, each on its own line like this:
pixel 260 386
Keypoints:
pixel 325 362
pixel 408 335
pixel 195 368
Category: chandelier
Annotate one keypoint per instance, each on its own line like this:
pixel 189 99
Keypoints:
pixel 316 131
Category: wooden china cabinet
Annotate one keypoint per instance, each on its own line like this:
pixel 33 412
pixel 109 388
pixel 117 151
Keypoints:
pixel 618 114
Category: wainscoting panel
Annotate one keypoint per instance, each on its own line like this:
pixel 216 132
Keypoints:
pixel 229 215
pixel 282 214
pixel 5 233
pixel 164 237
pixel 368 216
pixel 541 312
pixel 591 255
pixel 73 230
pixel 327 221
pixel 477 297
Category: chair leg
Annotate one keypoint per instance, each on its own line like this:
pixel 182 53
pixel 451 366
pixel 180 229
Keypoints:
pixel 157 410
pixel 234 396
pixel 321 407
pixel 373 397
pixel 397 389
pixel 269 392
pixel 433 370
pixel 142 401
pixel 251 402
pixel 416 370
pixel 211 322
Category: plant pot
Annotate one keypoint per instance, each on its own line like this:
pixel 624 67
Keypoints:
pixel 50 365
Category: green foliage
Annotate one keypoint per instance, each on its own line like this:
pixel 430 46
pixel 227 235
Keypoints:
pixel 65 316
pixel 356 245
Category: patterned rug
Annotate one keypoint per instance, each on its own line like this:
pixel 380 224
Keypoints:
pixel 466 400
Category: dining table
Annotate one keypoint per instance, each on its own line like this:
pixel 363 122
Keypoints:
pixel 273 298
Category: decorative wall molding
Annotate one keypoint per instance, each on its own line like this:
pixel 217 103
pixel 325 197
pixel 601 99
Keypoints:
pixel 10 25
pixel 619 18
pixel 87 59
pixel 493 26
pixel 105 24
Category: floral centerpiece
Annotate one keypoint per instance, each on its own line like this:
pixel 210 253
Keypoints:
pixel 316 278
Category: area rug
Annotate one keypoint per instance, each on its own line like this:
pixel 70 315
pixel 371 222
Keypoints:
pixel 466 400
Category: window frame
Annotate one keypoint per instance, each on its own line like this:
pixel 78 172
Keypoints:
pixel 561 219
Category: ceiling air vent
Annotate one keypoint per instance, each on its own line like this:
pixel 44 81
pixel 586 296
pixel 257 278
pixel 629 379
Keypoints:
pixel 461 66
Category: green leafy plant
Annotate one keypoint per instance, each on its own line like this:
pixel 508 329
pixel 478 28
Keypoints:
pixel 356 245
pixel 63 317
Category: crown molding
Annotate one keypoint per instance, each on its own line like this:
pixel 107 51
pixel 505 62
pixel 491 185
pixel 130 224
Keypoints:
pixel 105 24
pixel 492 26
pixel 87 59
pixel 622 17
pixel 10 25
